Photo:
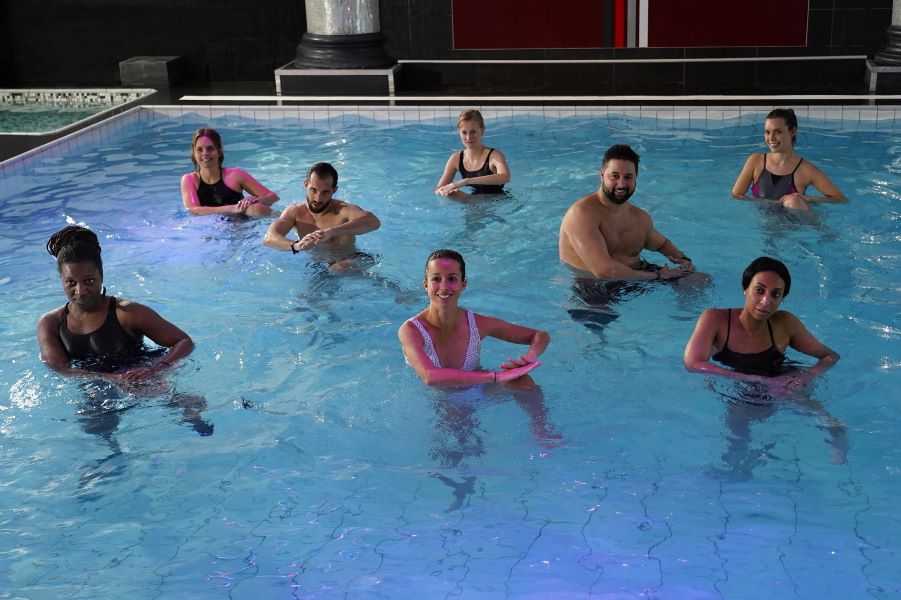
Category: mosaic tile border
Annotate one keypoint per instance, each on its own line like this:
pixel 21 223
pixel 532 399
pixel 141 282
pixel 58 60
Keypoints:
pixel 72 97
pixel 108 102
pixel 868 118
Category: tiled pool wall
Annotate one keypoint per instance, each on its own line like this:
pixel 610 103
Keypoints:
pixel 867 118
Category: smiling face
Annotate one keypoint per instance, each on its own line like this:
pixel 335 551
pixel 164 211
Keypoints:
pixel 83 284
pixel 764 295
pixel 778 136
pixel 206 153
pixel 618 180
pixel 470 133
pixel 444 281
pixel 319 192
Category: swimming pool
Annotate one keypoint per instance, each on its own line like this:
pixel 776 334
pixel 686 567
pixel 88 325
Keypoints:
pixel 333 471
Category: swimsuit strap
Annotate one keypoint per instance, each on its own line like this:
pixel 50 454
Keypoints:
pixel 428 346
pixel 461 168
pixel 770 327
pixel 796 168
pixel 473 349
pixel 487 158
pixel 728 325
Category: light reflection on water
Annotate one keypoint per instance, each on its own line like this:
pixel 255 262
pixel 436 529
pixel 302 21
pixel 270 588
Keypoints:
pixel 333 468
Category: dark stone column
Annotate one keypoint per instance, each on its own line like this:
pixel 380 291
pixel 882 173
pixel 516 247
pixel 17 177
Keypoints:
pixel 342 34
pixel 891 54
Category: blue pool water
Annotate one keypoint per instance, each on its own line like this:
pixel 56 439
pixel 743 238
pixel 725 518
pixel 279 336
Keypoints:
pixel 334 472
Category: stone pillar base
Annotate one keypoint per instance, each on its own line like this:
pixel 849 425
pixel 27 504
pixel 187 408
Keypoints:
pixel 883 79
pixel 891 55
pixel 358 51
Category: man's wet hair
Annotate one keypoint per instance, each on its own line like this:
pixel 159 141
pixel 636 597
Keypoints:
pixel 621 152
pixel 324 169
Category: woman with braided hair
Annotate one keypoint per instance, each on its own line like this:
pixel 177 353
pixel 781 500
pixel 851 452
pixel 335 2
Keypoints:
pixel 95 334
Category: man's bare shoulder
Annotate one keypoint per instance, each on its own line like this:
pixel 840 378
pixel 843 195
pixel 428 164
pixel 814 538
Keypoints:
pixel 586 207
pixel 298 212
pixel 639 214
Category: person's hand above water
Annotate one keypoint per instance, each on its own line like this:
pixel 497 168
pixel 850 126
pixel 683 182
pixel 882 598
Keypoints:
pixel 447 190
pixel 509 374
pixel 667 272
pixel 522 361
pixel 796 201
pixel 684 262
pixel 310 240
pixel 244 204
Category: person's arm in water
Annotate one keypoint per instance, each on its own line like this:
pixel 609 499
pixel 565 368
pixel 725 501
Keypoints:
pixel 412 343
pixel 276 235
pixel 54 354
pixel 192 201
pixel 580 226
pixel 258 191
pixel 446 186
pixel 657 242
pixel 536 339
pixel 700 348
pixel 136 318
pixel 745 178
pixel 147 322
pixel 809 174
pixel 499 176
pixel 806 343
pixel 356 222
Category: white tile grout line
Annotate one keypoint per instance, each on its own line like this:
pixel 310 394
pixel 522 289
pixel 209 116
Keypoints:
pixel 329 115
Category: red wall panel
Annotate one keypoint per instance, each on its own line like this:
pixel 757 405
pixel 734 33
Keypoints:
pixel 521 24
pixel 727 23
pixel 497 24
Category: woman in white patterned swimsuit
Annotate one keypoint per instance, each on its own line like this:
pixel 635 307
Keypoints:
pixel 442 342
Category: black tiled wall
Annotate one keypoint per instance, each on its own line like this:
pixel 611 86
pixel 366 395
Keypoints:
pixel 60 42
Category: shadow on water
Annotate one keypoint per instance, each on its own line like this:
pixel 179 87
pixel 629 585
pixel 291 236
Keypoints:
pixel 752 403
pixel 100 412
pixel 593 301
pixel 328 270
pixel 458 435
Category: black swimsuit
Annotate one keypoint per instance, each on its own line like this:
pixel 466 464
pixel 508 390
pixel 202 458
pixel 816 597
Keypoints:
pixel 773 186
pixel 484 170
pixel 217 194
pixel 768 362
pixel 109 341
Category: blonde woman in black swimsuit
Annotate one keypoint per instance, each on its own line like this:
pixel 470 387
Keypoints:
pixel 484 169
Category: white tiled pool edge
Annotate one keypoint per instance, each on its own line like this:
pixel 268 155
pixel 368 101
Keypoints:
pixel 691 117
